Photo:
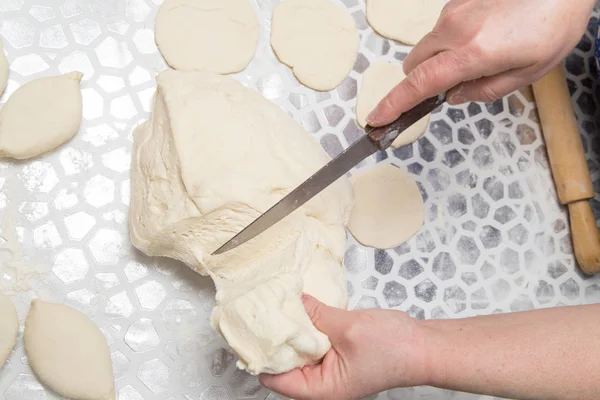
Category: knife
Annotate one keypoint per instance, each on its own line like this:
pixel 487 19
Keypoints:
pixel 374 140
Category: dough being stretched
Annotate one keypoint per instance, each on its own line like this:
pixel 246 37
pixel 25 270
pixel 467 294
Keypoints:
pixel 377 82
pixel 406 21
pixel 9 328
pixel 40 116
pixel 317 39
pixel 3 70
pixel 214 156
pixel 388 209
pixel 216 35
pixel 67 352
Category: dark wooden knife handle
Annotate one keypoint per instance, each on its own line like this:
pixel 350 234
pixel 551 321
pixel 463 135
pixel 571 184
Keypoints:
pixel 384 136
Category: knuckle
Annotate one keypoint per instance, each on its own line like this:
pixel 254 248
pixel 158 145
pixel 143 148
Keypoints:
pixel 488 94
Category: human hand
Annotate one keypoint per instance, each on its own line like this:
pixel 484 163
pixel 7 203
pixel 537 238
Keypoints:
pixel 481 50
pixel 372 350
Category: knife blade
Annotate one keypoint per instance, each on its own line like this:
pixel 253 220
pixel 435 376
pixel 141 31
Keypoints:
pixel 374 140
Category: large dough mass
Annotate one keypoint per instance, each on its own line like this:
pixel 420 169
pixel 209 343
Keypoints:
pixel 67 352
pixel 317 39
pixel 377 82
pixel 404 20
pixel 214 156
pixel 3 70
pixel 9 327
pixel 389 207
pixel 40 116
pixel 216 35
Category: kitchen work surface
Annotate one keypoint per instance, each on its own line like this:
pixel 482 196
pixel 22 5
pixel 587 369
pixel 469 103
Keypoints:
pixel 495 238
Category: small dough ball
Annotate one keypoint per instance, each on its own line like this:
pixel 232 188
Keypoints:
pixel 9 327
pixel 317 39
pixel 215 35
pixel 378 80
pixel 406 21
pixel 40 116
pixel 3 70
pixel 388 207
pixel 67 352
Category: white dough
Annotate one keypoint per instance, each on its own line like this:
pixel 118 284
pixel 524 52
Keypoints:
pixel 3 70
pixel 67 352
pixel 317 39
pixel 9 328
pixel 216 35
pixel 40 116
pixel 406 21
pixel 214 156
pixel 389 207
pixel 377 82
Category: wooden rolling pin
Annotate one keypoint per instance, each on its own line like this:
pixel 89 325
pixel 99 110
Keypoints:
pixel 569 166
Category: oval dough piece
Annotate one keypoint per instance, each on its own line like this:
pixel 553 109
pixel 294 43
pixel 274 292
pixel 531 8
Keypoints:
pixel 216 35
pixel 3 70
pixel 40 116
pixel 67 352
pixel 404 20
pixel 317 39
pixel 377 82
pixel 9 328
pixel 388 207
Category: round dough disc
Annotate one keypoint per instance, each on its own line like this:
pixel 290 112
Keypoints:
pixel 9 327
pixel 388 207
pixel 404 20
pixel 67 352
pixel 317 39
pixel 377 82
pixel 3 70
pixel 40 115
pixel 216 35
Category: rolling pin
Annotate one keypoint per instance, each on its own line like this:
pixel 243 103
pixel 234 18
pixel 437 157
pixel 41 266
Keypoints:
pixel 568 164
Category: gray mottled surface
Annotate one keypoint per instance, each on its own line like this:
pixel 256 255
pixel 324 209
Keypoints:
pixel 495 238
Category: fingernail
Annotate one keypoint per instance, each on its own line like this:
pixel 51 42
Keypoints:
pixel 265 380
pixel 372 118
pixel 457 99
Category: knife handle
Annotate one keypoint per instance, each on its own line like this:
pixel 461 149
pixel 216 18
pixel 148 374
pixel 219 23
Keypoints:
pixel 385 135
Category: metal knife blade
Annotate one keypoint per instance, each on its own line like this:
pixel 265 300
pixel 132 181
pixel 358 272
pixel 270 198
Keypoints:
pixel 375 139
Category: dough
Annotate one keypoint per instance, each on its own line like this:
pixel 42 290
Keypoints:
pixel 404 20
pixel 317 39
pixel 9 328
pixel 67 352
pixel 40 116
pixel 214 156
pixel 3 70
pixel 216 35
pixel 389 207
pixel 377 82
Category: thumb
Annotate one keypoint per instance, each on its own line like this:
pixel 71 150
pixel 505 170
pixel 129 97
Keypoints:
pixel 331 321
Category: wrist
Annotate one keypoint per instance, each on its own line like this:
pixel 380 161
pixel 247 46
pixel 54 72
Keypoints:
pixel 434 355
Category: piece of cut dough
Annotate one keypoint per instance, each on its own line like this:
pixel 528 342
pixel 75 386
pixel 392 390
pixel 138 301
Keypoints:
pixel 67 352
pixel 9 328
pixel 214 156
pixel 388 207
pixel 3 70
pixel 216 35
pixel 378 80
pixel 40 116
pixel 317 39
pixel 406 21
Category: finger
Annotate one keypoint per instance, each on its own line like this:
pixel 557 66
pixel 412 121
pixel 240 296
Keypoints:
pixel 291 384
pixel 428 47
pixel 430 78
pixel 329 320
pixel 489 89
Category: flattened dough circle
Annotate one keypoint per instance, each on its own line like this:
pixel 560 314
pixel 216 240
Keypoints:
pixel 388 207
pixel 9 327
pixel 377 82
pixel 67 352
pixel 317 39
pixel 40 116
pixel 406 21
pixel 3 70
pixel 216 35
